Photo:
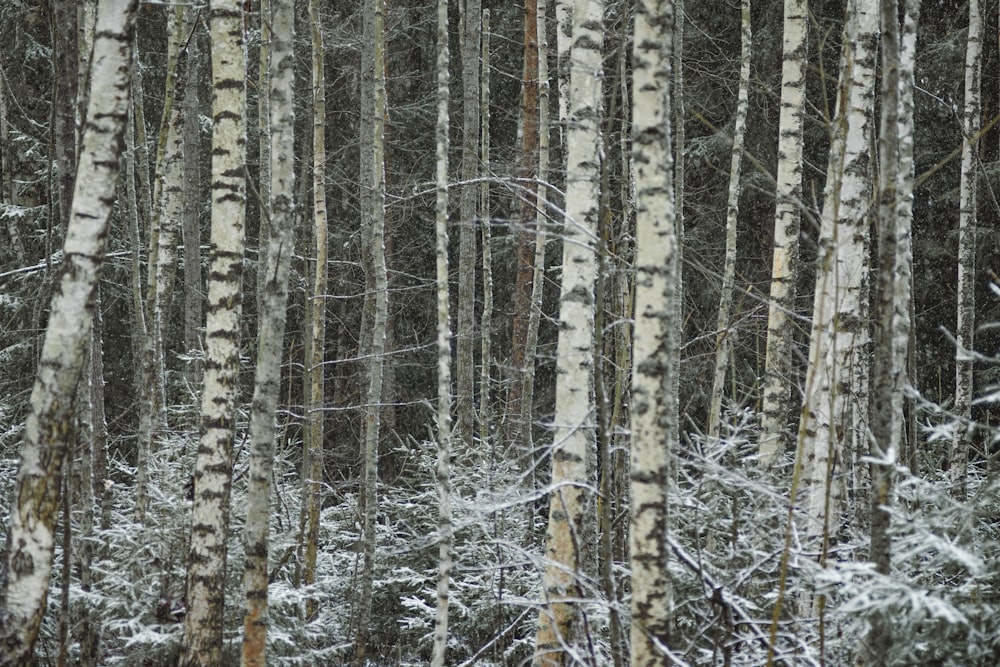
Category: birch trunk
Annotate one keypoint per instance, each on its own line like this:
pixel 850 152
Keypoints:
pixel 376 228
pixel 315 420
pixel 573 441
pixel 486 322
pixel 839 335
pixel 444 330
pixel 191 227
pixel 904 211
pixel 280 210
pixel 966 319
pixel 655 333
pixel 787 215
pixel 724 334
pixel 891 329
pixel 49 432
pixel 465 363
pixel 202 643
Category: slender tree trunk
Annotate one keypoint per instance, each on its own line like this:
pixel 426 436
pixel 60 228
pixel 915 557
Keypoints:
pixel 66 68
pixel 966 319
pixel 315 415
pixel 486 321
pixel 49 432
pixel 280 210
pixel 376 227
pixel 444 328
pixel 569 530
pixel 724 334
pixel 840 312
pixel 522 359
pixel 466 341
pixel 656 329
pixel 904 211
pixel 202 643
pixel 93 473
pixel 191 229
pixel 263 149
pixel 891 330
pixel 777 372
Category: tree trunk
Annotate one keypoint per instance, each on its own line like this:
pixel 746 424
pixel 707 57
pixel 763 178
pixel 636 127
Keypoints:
pixel 778 377
pixel 522 358
pixel 569 526
pixel 466 340
pixel 966 319
pixel 376 227
pixel 315 415
pixel 202 643
pixel 280 208
pixel 891 330
pixel 444 326
pixel 656 329
pixel 191 229
pixel 724 333
pixel 49 432
pixel 840 313
pixel 904 211
pixel 486 321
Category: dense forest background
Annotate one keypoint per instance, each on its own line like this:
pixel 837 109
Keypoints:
pixel 355 530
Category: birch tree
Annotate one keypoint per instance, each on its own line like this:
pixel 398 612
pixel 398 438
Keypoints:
pixel 375 227
pixel 891 328
pixel 787 215
pixel 49 431
pixel 655 332
pixel 267 381
pixel 724 341
pixel 464 363
pixel 312 483
pixel 202 643
pixel 839 337
pixel 444 338
pixel 966 318
pixel 574 420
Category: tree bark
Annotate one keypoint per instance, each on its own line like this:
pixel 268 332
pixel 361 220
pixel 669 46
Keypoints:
pixel 569 525
pixel 891 330
pixel 375 223
pixel 656 327
pixel 443 471
pixel 191 227
pixel 724 333
pixel 778 377
pixel 315 415
pixel 522 358
pixel 466 340
pixel 280 210
pixel 966 318
pixel 202 643
pixel 49 432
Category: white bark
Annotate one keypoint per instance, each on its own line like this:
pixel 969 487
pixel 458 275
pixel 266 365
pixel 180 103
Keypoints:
pixel 443 343
pixel 202 642
pixel 267 381
pixel 787 215
pixel 48 431
pixel 964 328
pixel 724 335
pixel 656 330
pixel 315 416
pixel 574 421
pixel 839 333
